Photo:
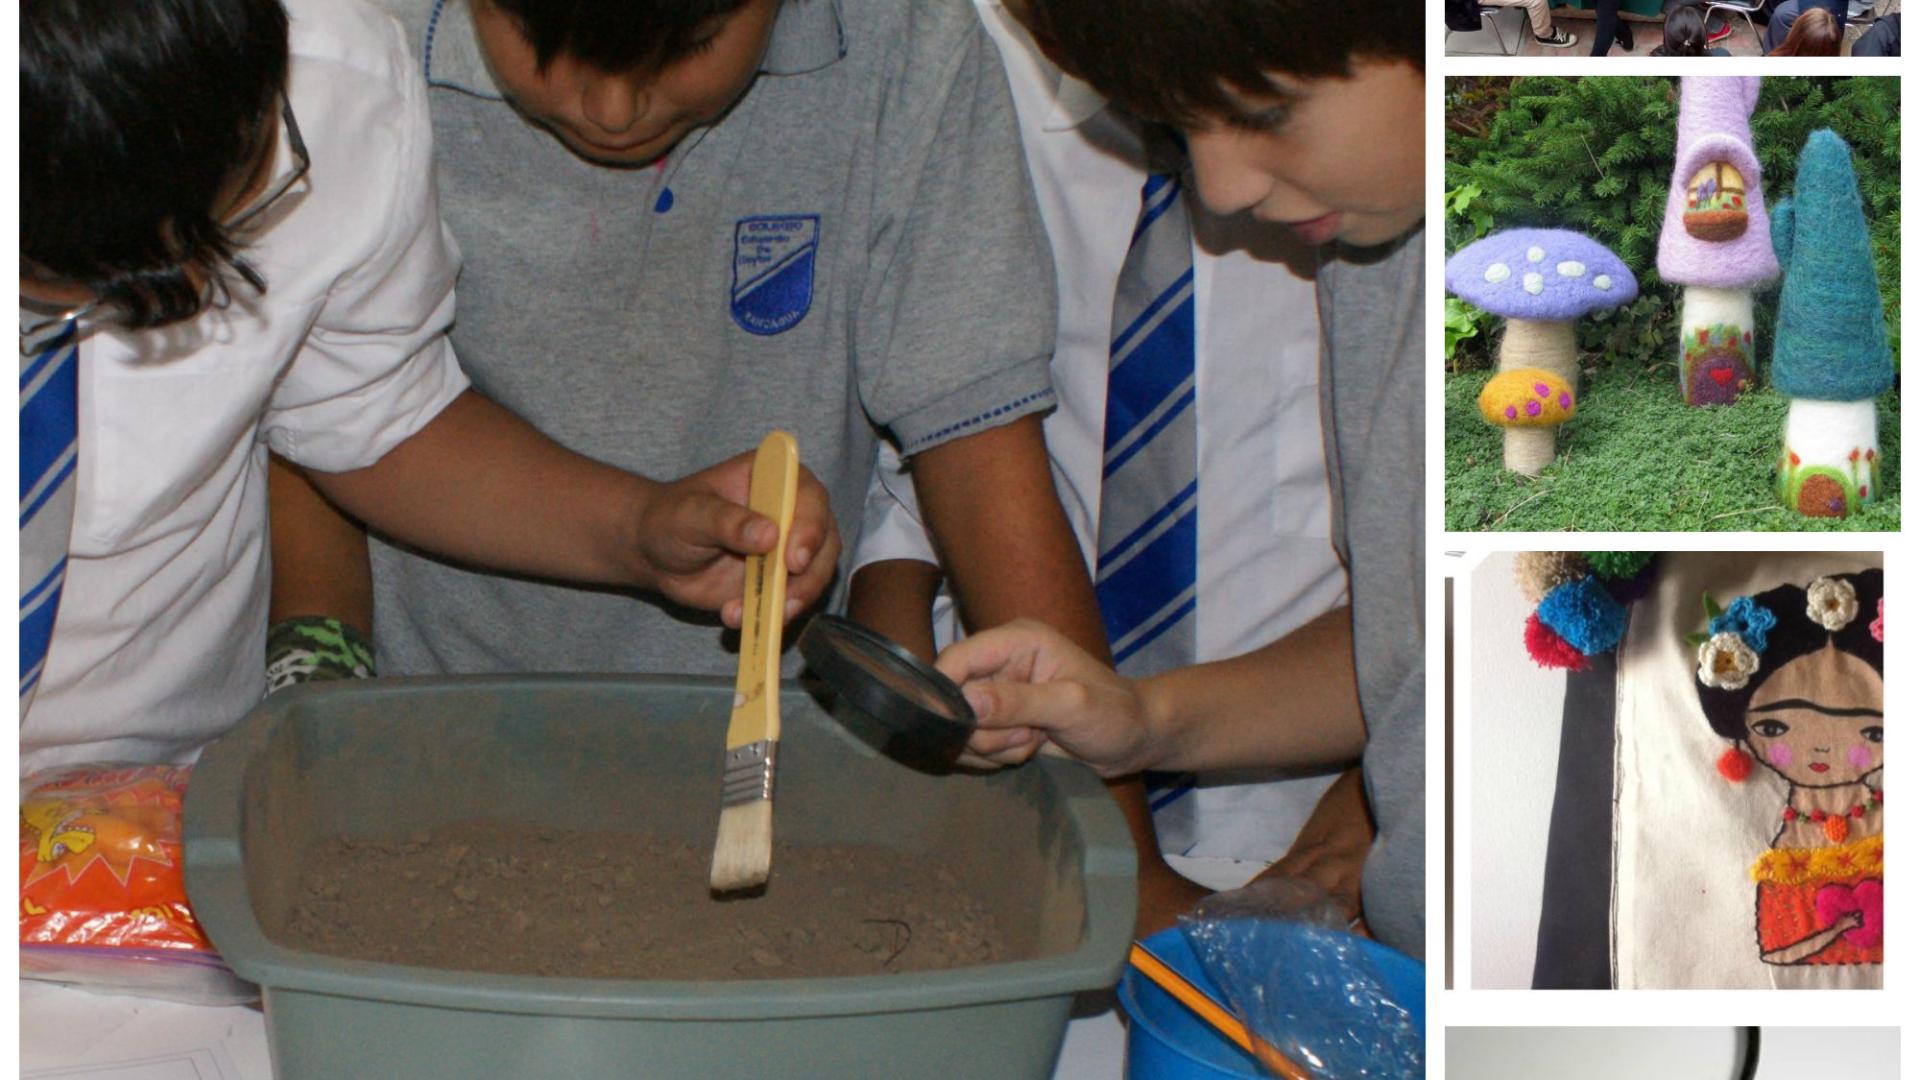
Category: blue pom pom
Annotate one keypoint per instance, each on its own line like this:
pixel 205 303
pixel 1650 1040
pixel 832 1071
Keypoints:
pixel 1583 613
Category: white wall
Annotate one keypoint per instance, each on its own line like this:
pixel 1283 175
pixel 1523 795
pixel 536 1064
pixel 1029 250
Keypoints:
pixel 1600 1053
pixel 1513 716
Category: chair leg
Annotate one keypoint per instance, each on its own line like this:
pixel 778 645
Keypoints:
pixel 1757 39
pixel 1493 20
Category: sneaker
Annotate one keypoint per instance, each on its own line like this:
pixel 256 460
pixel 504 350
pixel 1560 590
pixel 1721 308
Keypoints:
pixel 1718 30
pixel 1560 39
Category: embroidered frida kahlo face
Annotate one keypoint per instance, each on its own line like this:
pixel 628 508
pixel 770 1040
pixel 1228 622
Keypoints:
pixel 1817 721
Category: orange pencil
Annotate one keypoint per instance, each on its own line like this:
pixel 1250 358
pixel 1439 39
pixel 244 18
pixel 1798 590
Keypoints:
pixel 1209 1010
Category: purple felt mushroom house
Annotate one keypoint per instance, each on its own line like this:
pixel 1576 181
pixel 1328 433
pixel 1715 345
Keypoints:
pixel 1540 281
pixel 1715 240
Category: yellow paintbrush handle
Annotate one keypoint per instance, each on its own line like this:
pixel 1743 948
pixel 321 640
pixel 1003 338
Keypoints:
pixel 756 702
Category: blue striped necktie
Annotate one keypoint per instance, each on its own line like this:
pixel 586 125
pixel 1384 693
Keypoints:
pixel 49 429
pixel 1145 573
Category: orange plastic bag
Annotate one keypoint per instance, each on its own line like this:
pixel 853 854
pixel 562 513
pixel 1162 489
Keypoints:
pixel 103 900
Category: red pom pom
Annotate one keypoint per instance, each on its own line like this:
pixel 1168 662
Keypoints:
pixel 1549 649
pixel 1735 765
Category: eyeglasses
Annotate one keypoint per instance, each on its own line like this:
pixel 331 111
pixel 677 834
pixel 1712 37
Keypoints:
pixel 278 198
pixel 246 225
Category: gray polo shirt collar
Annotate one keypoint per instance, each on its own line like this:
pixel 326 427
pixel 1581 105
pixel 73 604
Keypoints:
pixel 807 36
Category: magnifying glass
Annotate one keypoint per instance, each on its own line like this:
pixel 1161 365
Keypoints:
pixel 896 702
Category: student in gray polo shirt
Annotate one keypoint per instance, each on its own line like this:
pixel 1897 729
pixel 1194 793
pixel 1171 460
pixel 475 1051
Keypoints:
pixel 1312 124
pixel 687 223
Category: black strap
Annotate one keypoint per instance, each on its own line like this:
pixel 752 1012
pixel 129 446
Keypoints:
pixel 1572 950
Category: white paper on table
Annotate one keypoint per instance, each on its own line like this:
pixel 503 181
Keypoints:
pixel 182 1065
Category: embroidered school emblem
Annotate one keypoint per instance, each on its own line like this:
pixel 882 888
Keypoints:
pixel 773 261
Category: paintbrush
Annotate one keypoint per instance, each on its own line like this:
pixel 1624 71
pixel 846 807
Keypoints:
pixel 743 850
pixel 1211 1011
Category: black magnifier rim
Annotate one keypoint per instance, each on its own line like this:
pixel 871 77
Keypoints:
pixel 826 643
pixel 1751 1063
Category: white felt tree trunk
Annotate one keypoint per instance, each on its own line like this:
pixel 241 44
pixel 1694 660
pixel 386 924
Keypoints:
pixel 1716 344
pixel 1830 462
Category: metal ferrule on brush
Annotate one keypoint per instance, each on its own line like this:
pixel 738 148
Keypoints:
pixel 749 774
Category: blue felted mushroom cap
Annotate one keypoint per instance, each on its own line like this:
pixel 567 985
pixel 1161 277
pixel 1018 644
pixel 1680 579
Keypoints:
pixel 1830 342
pixel 1544 274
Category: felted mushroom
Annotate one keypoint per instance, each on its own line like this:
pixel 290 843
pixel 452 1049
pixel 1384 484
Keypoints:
pixel 1830 353
pixel 1715 238
pixel 1529 403
pixel 1540 281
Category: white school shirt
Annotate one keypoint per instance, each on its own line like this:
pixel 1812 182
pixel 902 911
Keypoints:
pixel 158 646
pixel 1266 561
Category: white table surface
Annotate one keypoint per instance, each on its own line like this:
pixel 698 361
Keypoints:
pixel 75 1035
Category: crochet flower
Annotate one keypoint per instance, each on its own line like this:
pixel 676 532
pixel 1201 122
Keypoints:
pixel 1747 619
pixel 1831 603
pixel 1878 627
pixel 1726 663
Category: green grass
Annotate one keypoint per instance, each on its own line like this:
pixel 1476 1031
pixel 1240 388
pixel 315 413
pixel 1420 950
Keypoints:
pixel 1634 458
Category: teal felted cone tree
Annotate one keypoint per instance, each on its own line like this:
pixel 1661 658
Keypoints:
pixel 1830 354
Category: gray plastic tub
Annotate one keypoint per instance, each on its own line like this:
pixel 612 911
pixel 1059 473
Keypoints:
pixel 1044 845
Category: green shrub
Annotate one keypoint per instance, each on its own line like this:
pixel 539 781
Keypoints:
pixel 1596 155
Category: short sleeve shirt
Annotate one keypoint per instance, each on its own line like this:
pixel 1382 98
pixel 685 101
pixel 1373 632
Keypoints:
pixel 158 645
pixel 1371 334
pixel 852 249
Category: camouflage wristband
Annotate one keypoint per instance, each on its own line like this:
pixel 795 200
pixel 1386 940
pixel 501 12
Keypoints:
pixel 310 648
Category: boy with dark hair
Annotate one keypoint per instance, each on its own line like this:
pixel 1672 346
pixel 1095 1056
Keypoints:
pixel 1312 124
pixel 684 223
pixel 231 241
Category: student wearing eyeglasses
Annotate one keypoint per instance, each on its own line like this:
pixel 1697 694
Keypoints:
pixel 230 241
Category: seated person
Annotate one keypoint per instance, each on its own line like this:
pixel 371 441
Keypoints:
pixel 1815 32
pixel 1541 20
pixel 230 241
pixel 1881 39
pixel 1780 21
pixel 1685 34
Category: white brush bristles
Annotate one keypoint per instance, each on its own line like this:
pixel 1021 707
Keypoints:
pixel 743 851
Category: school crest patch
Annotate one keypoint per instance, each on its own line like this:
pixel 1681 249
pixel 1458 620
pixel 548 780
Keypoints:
pixel 773 259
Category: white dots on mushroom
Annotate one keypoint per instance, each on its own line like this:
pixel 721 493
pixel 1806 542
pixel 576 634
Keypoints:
pixel 1534 284
pixel 1602 282
pixel 1536 253
pixel 1572 269
pixel 1498 273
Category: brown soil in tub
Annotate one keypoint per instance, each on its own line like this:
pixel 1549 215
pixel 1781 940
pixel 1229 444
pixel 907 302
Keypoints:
pixel 525 900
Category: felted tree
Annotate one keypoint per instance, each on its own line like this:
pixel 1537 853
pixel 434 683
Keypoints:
pixel 1830 353
pixel 1715 238
pixel 1540 281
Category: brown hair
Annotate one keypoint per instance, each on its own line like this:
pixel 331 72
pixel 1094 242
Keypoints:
pixel 1172 61
pixel 1815 33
